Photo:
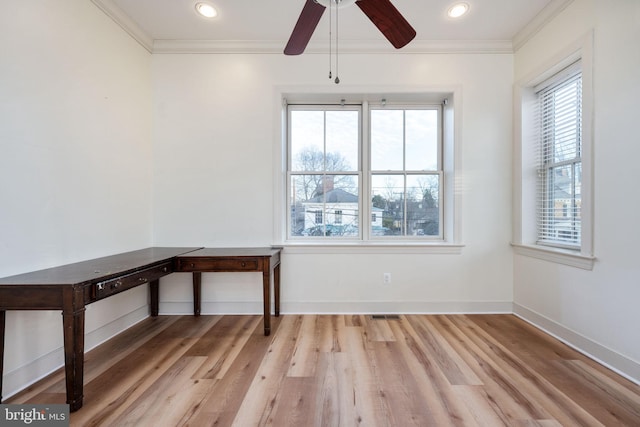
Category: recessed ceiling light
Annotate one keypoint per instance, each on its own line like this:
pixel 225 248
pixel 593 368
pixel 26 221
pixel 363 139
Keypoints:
pixel 458 9
pixel 206 10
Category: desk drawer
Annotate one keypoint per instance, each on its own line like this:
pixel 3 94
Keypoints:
pixel 205 264
pixel 119 284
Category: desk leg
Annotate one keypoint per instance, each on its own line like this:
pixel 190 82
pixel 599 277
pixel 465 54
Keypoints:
pixel 266 299
pixel 197 293
pixel 73 325
pixel 2 323
pixel 276 288
pixel 154 292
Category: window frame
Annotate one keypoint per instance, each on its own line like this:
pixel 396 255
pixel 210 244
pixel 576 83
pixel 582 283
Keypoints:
pixel 451 98
pixel 524 238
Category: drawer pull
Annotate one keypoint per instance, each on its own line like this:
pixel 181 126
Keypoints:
pixel 127 281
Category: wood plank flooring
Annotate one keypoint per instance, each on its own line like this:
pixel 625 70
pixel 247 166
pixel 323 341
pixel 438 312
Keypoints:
pixel 342 370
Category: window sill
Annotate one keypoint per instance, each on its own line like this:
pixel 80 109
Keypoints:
pixel 558 256
pixel 372 248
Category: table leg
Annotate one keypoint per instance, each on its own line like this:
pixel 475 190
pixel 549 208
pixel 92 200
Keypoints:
pixel 154 292
pixel 266 285
pixel 2 323
pixel 73 325
pixel 276 288
pixel 197 293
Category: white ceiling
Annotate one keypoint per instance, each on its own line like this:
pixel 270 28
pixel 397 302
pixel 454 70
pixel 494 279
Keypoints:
pixel 174 24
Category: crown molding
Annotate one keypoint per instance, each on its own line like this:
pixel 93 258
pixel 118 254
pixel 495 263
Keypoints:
pixel 126 23
pixel 546 15
pixel 346 47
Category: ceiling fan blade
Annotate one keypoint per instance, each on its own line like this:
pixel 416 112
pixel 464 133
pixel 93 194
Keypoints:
pixel 389 21
pixel 302 32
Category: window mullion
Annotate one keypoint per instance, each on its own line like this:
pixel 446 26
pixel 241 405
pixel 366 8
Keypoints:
pixel 365 173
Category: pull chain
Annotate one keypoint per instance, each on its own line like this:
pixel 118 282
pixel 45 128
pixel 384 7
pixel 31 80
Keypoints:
pixel 330 28
pixel 337 80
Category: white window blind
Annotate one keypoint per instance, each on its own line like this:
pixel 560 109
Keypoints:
pixel 559 158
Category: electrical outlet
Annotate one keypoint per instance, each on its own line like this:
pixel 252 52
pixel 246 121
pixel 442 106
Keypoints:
pixel 386 278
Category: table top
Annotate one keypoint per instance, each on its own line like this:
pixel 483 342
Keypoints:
pixel 232 252
pixel 99 268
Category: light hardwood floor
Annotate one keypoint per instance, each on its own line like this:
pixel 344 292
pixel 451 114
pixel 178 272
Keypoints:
pixel 342 370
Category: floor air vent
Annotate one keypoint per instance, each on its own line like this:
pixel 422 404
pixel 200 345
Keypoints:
pixel 385 316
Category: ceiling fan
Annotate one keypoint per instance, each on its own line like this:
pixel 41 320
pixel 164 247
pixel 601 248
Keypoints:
pixel 382 13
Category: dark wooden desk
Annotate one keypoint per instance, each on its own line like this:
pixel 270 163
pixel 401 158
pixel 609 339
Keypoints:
pixel 71 287
pixel 264 260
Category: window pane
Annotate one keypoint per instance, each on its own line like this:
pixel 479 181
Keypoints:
pixel 422 140
pixel 387 199
pixel 303 188
pixel 324 205
pixel 342 140
pixel 324 140
pixel 564 204
pixel 387 139
pixel 423 211
pixel 307 140
pixel 561 117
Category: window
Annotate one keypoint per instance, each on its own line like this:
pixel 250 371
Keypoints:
pixel 559 143
pixel 553 159
pixel 346 163
pixel 338 217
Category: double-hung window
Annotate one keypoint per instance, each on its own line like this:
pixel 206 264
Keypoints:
pixel 553 159
pixel 559 149
pixel 364 172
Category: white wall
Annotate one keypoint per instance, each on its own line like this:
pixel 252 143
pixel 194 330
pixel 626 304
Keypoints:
pixel 217 131
pixel 75 168
pixel 596 310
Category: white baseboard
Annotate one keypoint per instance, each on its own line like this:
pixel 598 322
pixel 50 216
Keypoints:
pixel 613 360
pixel 399 307
pixel 22 377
